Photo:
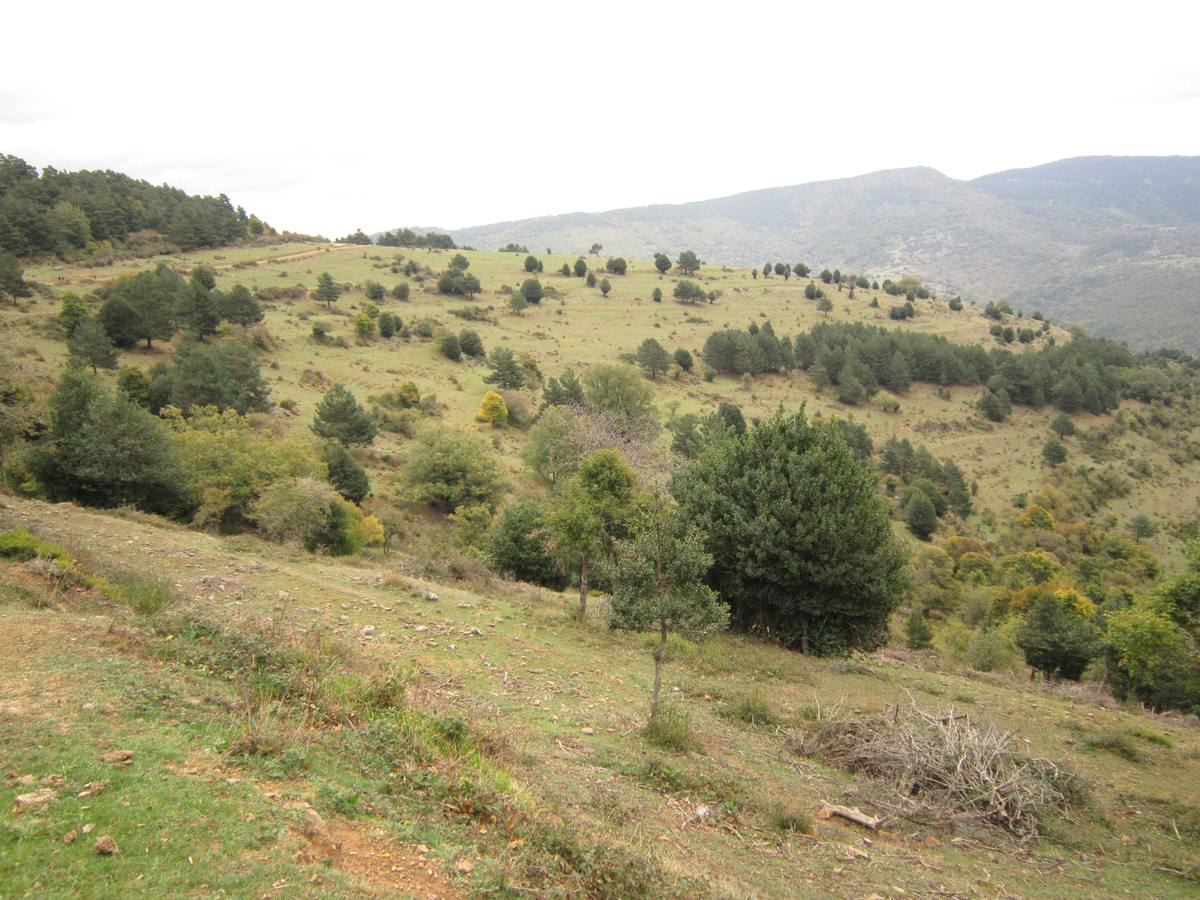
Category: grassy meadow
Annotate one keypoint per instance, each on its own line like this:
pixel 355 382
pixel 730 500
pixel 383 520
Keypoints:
pixel 575 326
pixel 312 726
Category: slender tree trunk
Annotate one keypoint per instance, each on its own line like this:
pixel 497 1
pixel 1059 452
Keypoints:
pixel 804 636
pixel 583 590
pixel 659 652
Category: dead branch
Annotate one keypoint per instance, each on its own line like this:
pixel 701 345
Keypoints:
pixel 855 815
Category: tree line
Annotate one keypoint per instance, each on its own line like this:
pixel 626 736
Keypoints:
pixel 1086 373
pixel 59 212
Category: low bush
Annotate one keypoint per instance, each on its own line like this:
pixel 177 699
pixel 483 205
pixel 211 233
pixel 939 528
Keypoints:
pixel 671 729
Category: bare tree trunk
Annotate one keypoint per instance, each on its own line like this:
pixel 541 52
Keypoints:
pixel 660 653
pixel 804 636
pixel 583 590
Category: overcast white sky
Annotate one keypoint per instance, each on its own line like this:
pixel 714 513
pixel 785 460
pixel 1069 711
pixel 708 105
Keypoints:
pixel 331 117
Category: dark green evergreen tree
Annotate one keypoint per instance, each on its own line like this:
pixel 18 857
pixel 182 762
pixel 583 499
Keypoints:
pixel 341 417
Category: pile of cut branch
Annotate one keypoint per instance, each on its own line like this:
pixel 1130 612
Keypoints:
pixel 944 768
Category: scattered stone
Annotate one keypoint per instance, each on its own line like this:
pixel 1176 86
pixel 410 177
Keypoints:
pixel 106 846
pixel 88 707
pixel 92 788
pixel 465 866
pixel 315 828
pixel 69 837
pixel 283 597
pixel 34 801
pixel 420 628
pixel 587 729
pixel 87 829
pixel 54 780
pixel 27 780
pixel 431 596
pixel 117 756
pixel 473 631
pixel 368 630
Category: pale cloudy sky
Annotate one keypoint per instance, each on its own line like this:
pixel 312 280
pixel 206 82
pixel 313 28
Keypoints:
pixel 324 118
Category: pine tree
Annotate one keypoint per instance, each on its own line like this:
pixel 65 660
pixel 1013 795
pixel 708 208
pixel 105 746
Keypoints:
pixel 12 277
pixel 341 417
pixel 802 543
pixel 327 291
pixel 345 473
pixel 506 372
pixel 920 515
pixel 653 359
pixel 239 306
pixel 918 634
pixel 90 344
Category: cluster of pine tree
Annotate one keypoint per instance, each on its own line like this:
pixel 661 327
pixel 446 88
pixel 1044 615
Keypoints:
pixel 406 237
pixel 57 212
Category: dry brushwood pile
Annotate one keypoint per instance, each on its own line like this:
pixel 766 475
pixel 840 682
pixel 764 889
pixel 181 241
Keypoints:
pixel 944 768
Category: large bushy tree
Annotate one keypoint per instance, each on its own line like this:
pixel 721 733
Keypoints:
pixel 517 546
pixel 801 542
pixel 449 469
pixel 89 344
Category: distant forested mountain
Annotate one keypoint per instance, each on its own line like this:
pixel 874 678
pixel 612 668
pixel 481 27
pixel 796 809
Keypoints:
pixel 61 212
pixel 1112 243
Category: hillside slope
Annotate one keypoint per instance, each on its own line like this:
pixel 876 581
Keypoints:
pixel 1074 238
pixel 512 764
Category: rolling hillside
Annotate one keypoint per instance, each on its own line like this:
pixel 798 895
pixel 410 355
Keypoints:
pixel 1075 238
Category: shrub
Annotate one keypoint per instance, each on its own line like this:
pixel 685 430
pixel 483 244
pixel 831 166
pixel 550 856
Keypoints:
pixel 146 596
pixel 670 728
pixel 306 512
pixel 1116 741
pixel 493 410
pixel 785 816
pixel 449 469
pixel 449 347
pixel 753 709
pixel 22 544
pixel 470 344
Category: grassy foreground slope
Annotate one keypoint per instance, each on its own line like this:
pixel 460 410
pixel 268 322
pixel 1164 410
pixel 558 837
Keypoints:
pixel 486 742
pixel 580 327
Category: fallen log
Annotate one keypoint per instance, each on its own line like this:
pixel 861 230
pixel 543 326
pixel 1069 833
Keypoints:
pixel 855 815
